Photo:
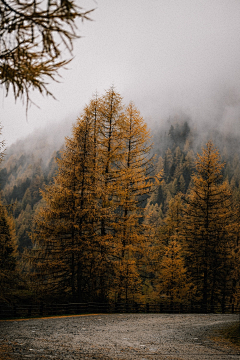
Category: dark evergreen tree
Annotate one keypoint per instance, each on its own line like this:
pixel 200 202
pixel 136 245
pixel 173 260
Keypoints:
pixel 8 257
pixel 207 240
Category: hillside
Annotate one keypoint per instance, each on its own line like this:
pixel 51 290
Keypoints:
pixel 30 164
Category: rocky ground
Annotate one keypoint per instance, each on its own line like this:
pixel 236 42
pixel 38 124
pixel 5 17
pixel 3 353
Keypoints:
pixel 118 336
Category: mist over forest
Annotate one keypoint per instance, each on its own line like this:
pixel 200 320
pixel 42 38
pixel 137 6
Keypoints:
pixel 29 164
pixel 117 212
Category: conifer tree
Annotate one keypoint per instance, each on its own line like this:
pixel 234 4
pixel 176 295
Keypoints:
pixel 135 172
pixel 88 236
pixel 32 35
pixel 174 285
pixel 206 220
pixel 172 282
pixel 107 152
pixel 64 225
pixel 235 258
pixel 173 222
pixel 8 257
pixel 9 275
pixel 154 247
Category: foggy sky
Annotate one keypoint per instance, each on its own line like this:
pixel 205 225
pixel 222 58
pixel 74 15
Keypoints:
pixel 167 56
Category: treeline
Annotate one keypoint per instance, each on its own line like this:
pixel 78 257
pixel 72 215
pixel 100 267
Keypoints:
pixel 113 223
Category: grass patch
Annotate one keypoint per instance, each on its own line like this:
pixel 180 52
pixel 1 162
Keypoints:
pixel 232 333
pixel 228 336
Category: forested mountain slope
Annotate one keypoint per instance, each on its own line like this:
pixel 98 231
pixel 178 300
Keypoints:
pixel 30 164
pixel 106 216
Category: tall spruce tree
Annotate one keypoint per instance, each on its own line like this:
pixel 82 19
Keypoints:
pixel 206 221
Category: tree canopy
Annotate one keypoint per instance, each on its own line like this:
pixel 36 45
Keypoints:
pixel 103 233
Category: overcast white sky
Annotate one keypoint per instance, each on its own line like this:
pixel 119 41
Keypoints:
pixel 165 55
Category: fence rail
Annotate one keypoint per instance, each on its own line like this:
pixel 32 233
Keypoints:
pixel 41 309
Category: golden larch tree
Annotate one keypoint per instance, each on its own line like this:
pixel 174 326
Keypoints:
pixel 63 226
pixel 172 283
pixel 88 236
pixel 135 172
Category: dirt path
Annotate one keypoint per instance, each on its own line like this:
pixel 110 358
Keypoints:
pixel 117 336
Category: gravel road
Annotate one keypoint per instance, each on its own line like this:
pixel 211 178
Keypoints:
pixel 118 336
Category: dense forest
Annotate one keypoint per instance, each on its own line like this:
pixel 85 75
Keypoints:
pixel 115 214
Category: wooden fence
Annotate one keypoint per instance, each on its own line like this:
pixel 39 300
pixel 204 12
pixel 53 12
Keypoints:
pixel 41 309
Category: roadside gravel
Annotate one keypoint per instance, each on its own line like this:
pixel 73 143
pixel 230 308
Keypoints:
pixel 117 336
